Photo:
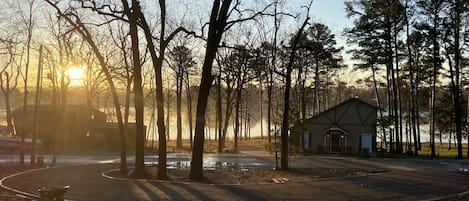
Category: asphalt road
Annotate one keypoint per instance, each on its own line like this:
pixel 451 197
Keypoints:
pixel 406 180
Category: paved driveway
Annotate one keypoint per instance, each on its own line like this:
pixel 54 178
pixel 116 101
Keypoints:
pixel 407 180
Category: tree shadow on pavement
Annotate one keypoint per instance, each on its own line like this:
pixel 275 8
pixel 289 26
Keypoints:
pixel 197 193
pixel 184 191
pixel 242 193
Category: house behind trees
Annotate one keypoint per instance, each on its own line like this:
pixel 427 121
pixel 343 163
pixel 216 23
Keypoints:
pixel 347 128
pixel 69 127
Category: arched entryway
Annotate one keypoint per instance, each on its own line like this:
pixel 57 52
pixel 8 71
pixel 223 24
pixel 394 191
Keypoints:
pixel 336 140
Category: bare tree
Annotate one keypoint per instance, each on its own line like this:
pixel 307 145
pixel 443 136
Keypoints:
pixel 242 71
pixel 227 75
pixel 133 15
pixel 74 20
pixel 29 22
pixel 157 60
pixel 218 24
pixel 286 107
pixel 9 74
pixel 125 69
pixel 183 64
pixel 168 98
pixel 189 99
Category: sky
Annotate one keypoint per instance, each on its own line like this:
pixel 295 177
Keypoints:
pixel 329 12
pixel 332 13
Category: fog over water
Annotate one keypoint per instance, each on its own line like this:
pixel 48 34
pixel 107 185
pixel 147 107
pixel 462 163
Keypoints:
pixel 255 127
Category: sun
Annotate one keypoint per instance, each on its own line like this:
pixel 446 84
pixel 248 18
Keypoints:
pixel 76 75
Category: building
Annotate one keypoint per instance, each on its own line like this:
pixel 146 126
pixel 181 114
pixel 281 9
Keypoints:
pixel 59 127
pixel 69 127
pixel 106 136
pixel 347 128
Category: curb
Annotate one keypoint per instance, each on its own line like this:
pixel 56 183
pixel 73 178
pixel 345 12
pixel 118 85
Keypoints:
pixel 24 194
pixel 450 196
pixel 16 191
pixel 106 175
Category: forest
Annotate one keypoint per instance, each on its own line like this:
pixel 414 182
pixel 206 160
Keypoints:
pixel 187 69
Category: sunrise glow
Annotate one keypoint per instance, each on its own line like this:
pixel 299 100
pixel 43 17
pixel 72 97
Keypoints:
pixel 76 75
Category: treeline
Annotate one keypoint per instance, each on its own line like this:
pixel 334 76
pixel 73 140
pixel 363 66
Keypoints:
pixel 415 50
pixel 242 55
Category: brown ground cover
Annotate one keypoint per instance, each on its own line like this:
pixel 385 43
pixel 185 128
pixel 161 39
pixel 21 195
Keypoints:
pixel 253 176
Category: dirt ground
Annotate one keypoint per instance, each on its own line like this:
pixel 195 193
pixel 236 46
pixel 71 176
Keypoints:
pixel 254 176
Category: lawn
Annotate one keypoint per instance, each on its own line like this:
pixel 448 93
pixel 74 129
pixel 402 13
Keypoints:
pixel 441 150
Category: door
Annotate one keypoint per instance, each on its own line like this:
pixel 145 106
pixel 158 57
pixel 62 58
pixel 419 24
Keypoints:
pixel 335 147
pixel 366 142
pixel 306 140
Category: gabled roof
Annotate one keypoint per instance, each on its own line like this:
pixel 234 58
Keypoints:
pixel 354 99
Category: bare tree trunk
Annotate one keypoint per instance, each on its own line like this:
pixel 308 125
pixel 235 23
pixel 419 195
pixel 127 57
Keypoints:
pixel 271 74
pixel 189 108
pixel 269 111
pixel 178 109
pixel 218 18
pixel 316 104
pixel 286 107
pixel 398 89
pixel 378 102
pixel 449 140
pixel 221 139
pixel 157 61
pixel 228 112
pixel 36 105
pixel 392 95
pixel 433 97
pixel 127 103
pixel 8 83
pixel 139 170
pixel 25 78
pixel 9 115
pixel 417 105
pixel 412 113
pixel 168 110
pixel 248 113
pixel 261 107
pixel 457 68
pixel 237 118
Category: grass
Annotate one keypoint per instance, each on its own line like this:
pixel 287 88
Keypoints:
pixel 441 150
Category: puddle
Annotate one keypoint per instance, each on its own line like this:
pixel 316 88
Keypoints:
pixel 208 165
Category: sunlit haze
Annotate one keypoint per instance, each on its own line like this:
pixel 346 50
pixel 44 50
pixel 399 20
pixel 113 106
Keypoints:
pixel 76 75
